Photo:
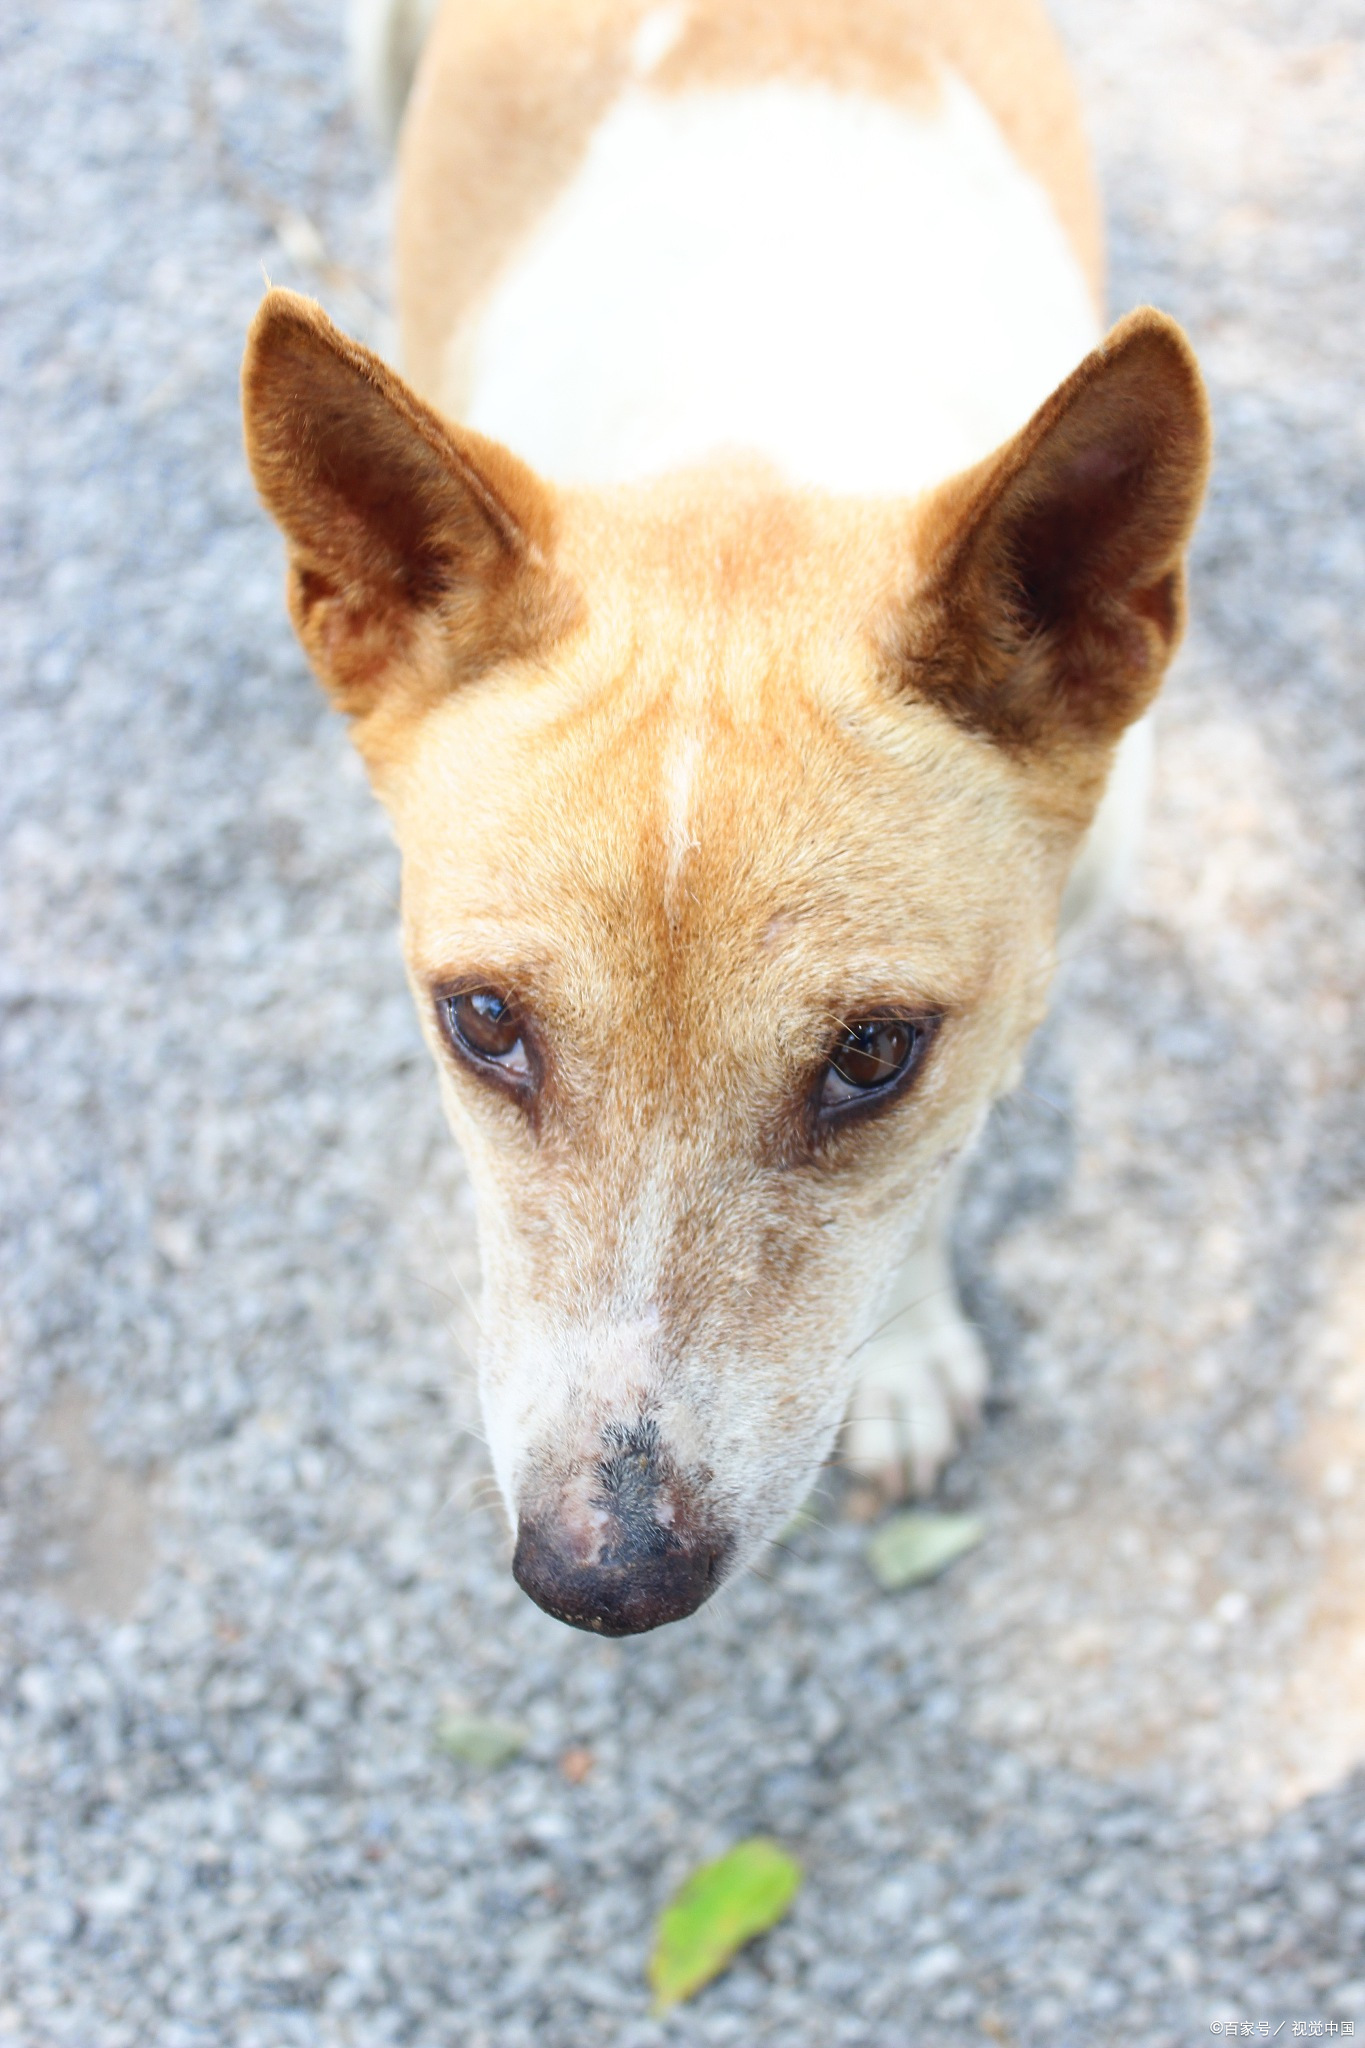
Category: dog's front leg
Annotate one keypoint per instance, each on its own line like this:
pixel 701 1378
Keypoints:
pixel 923 1371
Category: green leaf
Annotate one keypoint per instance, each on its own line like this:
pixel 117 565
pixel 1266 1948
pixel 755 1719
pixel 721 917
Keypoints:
pixel 721 1906
pixel 912 1548
pixel 480 1739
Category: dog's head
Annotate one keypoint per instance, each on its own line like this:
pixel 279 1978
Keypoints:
pixel 734 825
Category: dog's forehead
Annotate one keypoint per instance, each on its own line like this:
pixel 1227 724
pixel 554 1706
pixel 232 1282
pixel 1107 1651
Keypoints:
pixel 713 776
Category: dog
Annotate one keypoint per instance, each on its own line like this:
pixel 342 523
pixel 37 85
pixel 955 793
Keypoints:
pixel 746 604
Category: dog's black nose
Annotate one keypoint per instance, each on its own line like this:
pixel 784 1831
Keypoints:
pixel 617 1594
pixel 643 1553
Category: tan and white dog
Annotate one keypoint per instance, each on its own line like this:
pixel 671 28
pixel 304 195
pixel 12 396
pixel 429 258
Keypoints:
pixel 745 751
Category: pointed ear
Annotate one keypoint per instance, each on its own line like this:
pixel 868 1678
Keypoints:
pixel 1053 586
pixel 418 551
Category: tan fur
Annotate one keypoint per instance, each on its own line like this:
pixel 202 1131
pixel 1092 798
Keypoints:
pixel 695 773
pixel 506 98
pixel 379 495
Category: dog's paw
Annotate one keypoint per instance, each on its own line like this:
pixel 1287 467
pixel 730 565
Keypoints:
pixel 921 1388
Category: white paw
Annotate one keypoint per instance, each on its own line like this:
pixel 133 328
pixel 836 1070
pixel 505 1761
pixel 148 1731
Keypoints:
pixel 921 1388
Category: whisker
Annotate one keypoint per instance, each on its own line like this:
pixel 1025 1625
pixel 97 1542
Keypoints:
pixel 1033 1095
pixel 481 1496
pixel 450 1324
pixel 465 1295
pixel 906 1308
pixel 467 1486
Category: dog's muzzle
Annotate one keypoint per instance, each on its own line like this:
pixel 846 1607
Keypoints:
pixel 644 1552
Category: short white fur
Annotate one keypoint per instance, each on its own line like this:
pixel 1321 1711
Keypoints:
pixel 870 296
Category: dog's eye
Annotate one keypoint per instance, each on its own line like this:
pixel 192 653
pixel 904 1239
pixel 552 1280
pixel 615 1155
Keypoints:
pixel 488 1029
pixel 871 1057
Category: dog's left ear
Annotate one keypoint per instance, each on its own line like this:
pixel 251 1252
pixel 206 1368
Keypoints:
pixel 1052 584
pixel 418 551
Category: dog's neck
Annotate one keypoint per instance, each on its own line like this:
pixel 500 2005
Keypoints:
pixel 868 296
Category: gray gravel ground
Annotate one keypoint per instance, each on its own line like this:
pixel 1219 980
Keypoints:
pixel 1101 1783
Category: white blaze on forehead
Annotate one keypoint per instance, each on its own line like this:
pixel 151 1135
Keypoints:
pixel 656 37
pixel 680 770
pixel 870 296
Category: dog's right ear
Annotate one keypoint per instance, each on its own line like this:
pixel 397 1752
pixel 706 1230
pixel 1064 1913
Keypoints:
pixel 418 551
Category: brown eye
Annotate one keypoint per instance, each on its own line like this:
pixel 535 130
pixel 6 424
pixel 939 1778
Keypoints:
pixel 488 1029
pixel 870 1058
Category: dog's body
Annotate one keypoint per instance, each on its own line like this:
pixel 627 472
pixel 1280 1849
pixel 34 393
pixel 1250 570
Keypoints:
pixel 740 775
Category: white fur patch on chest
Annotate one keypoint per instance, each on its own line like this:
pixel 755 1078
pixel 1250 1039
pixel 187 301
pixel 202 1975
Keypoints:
pixel 870 297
